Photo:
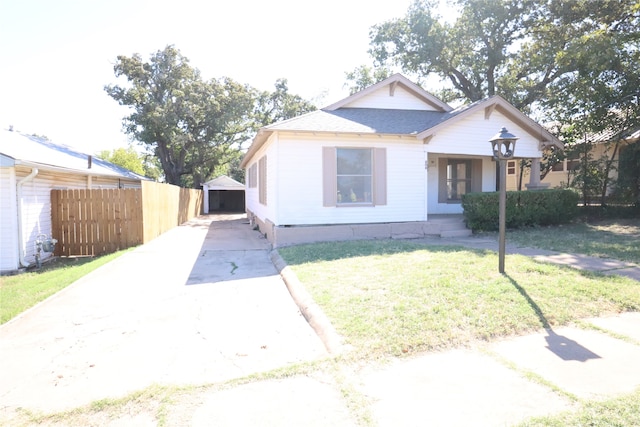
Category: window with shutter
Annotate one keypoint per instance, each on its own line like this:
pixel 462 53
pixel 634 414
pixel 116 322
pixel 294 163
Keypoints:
pixel 354 176
pixel 262 180
pixel 253 176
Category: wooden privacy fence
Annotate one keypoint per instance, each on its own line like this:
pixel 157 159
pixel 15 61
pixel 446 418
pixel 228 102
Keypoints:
pixel 101 221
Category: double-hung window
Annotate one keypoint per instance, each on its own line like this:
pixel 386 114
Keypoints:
pixel 354 176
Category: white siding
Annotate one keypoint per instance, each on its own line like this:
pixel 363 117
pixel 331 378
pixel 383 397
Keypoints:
pixel 35 202
pixel 470 136
pixel 295 194
pixel 268 211
pixel 8 220
pixel 381 98
pixel 300 182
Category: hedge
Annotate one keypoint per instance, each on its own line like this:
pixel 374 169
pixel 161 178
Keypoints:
pixel 523 208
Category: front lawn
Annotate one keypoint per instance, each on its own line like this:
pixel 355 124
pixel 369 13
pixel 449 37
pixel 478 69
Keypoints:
pixel 22 291
pixel 619 239
pixel 392 298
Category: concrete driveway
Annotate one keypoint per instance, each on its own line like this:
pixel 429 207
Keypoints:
pixel 202 303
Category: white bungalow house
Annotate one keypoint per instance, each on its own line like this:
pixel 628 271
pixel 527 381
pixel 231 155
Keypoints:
pixel 381 163
pixel 30 168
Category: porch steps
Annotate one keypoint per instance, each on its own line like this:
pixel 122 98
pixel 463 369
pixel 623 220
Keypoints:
pixel 450 225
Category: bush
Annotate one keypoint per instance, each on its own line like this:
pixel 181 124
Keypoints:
pixel 523 208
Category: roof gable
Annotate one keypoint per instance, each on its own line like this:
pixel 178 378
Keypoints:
pixel 223 182
pixel 488 106
pixel 395 92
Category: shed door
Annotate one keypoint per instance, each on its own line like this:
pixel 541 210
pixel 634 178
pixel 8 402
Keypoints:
pixel 226 200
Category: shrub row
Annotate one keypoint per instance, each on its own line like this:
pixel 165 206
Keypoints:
pixel 523 208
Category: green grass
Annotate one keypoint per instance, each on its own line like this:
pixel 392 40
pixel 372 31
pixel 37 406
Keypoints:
pixel 619 239
pixel 22 291
pixel 392 298
pixel 621 411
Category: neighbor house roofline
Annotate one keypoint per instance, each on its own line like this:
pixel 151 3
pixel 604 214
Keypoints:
pixel 33 151
pixel 85 172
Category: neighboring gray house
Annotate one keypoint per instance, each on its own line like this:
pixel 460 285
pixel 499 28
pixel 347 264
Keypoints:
pixel 30 168
pixel 223 194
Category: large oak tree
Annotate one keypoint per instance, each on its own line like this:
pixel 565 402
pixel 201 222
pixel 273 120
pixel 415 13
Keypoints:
pixel 187 122
pixel 520 49
pixel 572 62
pixel 194 127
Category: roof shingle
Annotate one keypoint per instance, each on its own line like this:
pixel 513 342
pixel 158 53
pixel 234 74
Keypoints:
pixel 365 120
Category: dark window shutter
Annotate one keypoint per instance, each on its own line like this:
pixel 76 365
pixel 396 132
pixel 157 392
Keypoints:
pixel 442 180
pixel 476 175
pixel 329 177
pixel 380 176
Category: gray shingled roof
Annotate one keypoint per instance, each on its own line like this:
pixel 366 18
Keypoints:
pixel 365 120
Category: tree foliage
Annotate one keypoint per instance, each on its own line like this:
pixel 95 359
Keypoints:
pixel 520 49
pixel 130 159
pixel 279 105
pixel 627 187
pixel 600 100
pixel 191 125
pixel 364 76
pixel 194 127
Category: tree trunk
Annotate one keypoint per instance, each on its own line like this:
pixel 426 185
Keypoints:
pixel 607 169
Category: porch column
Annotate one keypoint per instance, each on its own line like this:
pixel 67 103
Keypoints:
pixel 534 176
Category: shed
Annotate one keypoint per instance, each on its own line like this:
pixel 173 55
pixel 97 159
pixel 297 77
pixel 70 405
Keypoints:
pixel 223 194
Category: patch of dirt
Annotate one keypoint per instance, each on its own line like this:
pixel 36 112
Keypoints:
pixel 56 263
pixel 629 226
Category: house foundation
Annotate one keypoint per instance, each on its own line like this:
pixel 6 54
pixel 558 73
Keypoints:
pixel 438 226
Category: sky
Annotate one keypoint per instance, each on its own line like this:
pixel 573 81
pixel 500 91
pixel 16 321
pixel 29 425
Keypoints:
pixel 57 55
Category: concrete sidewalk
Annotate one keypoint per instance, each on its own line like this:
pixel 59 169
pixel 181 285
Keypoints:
pixel 480 386
pixel 203 304
pixel 475 387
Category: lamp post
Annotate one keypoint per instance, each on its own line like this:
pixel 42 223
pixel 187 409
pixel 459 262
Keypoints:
pixel 503 145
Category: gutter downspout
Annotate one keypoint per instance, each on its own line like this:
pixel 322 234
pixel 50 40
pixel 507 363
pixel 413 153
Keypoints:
pixel 24 180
